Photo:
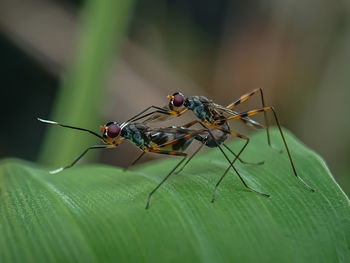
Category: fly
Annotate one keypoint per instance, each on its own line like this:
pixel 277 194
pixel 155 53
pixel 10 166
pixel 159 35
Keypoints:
pixel 169 141
pixel 215 116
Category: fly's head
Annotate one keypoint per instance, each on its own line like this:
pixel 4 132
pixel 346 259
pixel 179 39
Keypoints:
pixel 176 101
pixel 111 132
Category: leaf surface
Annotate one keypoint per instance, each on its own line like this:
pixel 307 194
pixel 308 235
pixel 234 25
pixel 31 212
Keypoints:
pixel 95 213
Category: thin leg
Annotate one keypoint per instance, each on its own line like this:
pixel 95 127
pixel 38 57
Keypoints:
pixel 165 114
pixel 239 159
pixel 254 112
pixel 246 97
pixel 158 110
pixel 136 160
pixel 189 159
pixel 231 163
pixel 201 146
pixel 175 141
pixel 81 155
pixel 187 125
pixel 170 173
pixel 244 183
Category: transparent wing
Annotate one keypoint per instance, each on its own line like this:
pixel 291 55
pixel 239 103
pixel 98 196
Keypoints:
pixel 248 121
pixel 177 130
pixel 157 117
pixel 173 138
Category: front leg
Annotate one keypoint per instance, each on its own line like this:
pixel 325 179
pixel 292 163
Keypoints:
pixel 158 110
pixel 111 146
pixel 170 113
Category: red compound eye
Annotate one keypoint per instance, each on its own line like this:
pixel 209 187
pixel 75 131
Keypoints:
pixel 113 130
pixel 178 100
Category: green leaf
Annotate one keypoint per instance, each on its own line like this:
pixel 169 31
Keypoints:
pixel 96 213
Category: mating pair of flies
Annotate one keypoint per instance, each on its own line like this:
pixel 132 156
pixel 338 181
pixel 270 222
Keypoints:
pixel 211 117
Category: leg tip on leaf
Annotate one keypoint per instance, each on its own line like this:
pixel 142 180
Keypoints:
pixel 56 171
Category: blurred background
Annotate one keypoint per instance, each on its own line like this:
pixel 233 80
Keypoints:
pixel 87 62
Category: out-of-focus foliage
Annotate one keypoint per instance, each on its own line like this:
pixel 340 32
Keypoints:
pixel 80 99
pixel 297 51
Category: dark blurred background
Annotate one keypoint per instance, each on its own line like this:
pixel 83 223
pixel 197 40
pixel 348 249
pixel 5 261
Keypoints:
pixel 297 51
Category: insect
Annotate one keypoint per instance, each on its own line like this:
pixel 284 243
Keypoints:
pixel 211 140
pixel 170 141
pixel 215 116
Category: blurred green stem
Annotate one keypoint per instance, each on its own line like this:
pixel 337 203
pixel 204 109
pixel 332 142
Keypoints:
pixel 79 99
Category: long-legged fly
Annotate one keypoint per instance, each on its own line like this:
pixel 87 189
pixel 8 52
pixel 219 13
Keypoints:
pixel 170 141
pixel 215 116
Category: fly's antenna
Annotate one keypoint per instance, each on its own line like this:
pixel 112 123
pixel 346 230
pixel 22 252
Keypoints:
pixel 71 127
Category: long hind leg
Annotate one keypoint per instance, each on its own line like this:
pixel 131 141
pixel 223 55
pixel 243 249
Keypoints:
pixel 245 97
pixel 265 109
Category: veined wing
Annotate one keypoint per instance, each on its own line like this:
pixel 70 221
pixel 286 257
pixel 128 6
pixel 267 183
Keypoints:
pixel 177 130
pixel 248 121
pixel 173 138
pixel 157 117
